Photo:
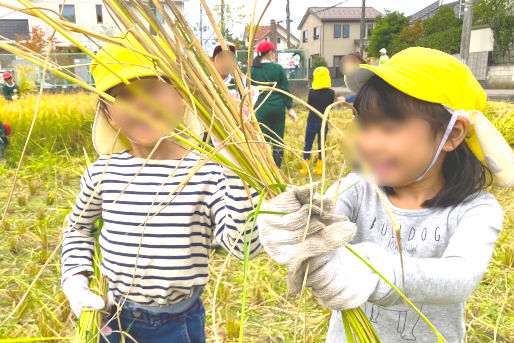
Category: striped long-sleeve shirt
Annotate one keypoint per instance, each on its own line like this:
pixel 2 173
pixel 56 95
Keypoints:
pixel 156 238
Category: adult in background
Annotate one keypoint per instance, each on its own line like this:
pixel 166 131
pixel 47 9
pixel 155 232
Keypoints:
pixel 9 89
pixel 383 57
pixel 271 113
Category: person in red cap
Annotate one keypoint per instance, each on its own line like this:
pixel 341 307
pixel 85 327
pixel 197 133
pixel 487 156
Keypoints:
pixel 9 88
pixel 271 113
pixel 5 130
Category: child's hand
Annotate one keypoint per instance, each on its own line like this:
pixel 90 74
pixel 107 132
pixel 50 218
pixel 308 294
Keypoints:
pixel 340 280
pixel 292 114
pixel 282 234
pixel 76 289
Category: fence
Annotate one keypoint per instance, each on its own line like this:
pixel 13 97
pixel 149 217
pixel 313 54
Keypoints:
pixel 294 61
pixel 77 65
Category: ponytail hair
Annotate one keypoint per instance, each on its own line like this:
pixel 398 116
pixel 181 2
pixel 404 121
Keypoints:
pixel 257 63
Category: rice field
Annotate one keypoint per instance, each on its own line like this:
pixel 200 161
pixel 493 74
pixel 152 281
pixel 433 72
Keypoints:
pixel 46 188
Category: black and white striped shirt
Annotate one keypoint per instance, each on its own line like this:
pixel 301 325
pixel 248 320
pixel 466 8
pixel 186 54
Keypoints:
pixel 156 235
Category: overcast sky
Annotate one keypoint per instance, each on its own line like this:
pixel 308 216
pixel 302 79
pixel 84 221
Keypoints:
pixel 298 7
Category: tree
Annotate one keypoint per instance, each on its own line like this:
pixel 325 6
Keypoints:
pixel 318 61
pixel 442 31
pixel 407 37
pixel 384 31
pixel 37 40
pixel 499 15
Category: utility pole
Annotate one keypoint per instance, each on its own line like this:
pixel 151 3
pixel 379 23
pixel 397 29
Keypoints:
pixel 288 25
pixel 363 27
pixel 273 33
pixel 466 31
pixel 222 24
pixel 201 26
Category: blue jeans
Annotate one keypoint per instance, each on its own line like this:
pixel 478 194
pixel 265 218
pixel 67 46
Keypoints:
pixel 146 327
pixel 312 130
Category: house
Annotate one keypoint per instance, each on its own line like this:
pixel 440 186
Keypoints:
pixel 333 32
pixel 90 15
pixel 264 33
pixel 431 10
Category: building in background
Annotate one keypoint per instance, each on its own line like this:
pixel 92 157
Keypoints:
pixel 333 32
pixel 431 10
pixel 264 33
pixel 88 14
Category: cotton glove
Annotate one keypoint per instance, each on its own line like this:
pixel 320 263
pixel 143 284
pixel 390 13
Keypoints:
pixel 76 289
pixel 341 281
pixel 282 234
pixel 292 114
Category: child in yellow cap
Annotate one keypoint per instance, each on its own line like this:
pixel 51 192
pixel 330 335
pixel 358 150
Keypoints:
pixel 158 224
pixel 432 153
pixel 320 96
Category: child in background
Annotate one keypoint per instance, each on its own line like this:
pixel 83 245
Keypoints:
pixel 320 96
pixel 9 89
pixel 432 152
pixel 5 130
pixel 156 236
pixel 349 64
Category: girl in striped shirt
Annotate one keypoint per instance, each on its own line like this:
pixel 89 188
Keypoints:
pixel 160 214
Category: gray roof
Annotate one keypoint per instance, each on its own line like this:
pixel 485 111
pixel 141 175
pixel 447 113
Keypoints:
pixel 11 28
pixel 340 13
pixel 430 10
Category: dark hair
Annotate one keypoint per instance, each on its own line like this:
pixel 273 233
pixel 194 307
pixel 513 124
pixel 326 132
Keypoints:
pixel 218 49
pixel 463 173
pixel 257 59
pixel 356 56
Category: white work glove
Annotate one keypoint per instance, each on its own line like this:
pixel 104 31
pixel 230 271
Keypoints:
pixel 282 234
pixel 341 281
pixel 76 289
pixel 292 114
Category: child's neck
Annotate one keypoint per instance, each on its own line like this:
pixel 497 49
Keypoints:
pixel 413 196
pixel 168 149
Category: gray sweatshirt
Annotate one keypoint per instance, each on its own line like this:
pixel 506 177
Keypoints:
pixel 446 251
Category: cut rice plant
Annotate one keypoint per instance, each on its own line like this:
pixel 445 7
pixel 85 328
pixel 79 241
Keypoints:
pixel 190 71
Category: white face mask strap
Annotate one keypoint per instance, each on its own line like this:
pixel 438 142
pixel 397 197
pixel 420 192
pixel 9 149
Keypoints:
pixel 449 129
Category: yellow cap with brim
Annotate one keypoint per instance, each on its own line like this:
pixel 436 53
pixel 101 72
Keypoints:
pixel 130 65
pixel 434 76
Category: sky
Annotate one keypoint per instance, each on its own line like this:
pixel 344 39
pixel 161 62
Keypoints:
pixel 297 7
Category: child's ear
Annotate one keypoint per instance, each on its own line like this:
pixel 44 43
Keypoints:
pixel 458 134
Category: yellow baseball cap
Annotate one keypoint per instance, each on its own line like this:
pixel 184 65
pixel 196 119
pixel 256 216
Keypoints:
pixel 321 78
pixel 434 76
pixel 130 64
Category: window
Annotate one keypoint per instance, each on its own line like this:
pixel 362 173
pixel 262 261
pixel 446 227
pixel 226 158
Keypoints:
pixel 305 35
pixel 67 12
pixel 346 30
pixel 99 14
pixel 370 27
pixel 278 40
pixel 316 32
pixel 337 30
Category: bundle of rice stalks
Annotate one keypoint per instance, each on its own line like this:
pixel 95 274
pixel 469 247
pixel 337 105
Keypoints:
pixel 191 72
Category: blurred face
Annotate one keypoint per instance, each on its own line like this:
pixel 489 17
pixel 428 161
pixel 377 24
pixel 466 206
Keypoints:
pixel 224 62
pixel 349 65
pixel 142 120
pixel 398 152
pixel 9 80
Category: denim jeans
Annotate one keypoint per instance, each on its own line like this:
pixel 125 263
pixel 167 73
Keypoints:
pixel 312 130
pixel 147 327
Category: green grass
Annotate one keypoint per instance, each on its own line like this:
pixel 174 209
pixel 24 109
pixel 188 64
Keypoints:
pixel 47 186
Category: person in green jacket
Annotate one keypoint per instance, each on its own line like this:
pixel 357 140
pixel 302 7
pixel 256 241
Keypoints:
pixel 271 113
pixel 9 88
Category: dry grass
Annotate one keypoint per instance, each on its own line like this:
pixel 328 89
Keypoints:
pixel 50 179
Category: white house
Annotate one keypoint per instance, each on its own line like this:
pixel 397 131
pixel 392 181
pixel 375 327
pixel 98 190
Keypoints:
pixel 92 15
pixel 264 33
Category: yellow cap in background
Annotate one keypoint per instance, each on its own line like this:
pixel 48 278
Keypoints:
pixel 321 78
